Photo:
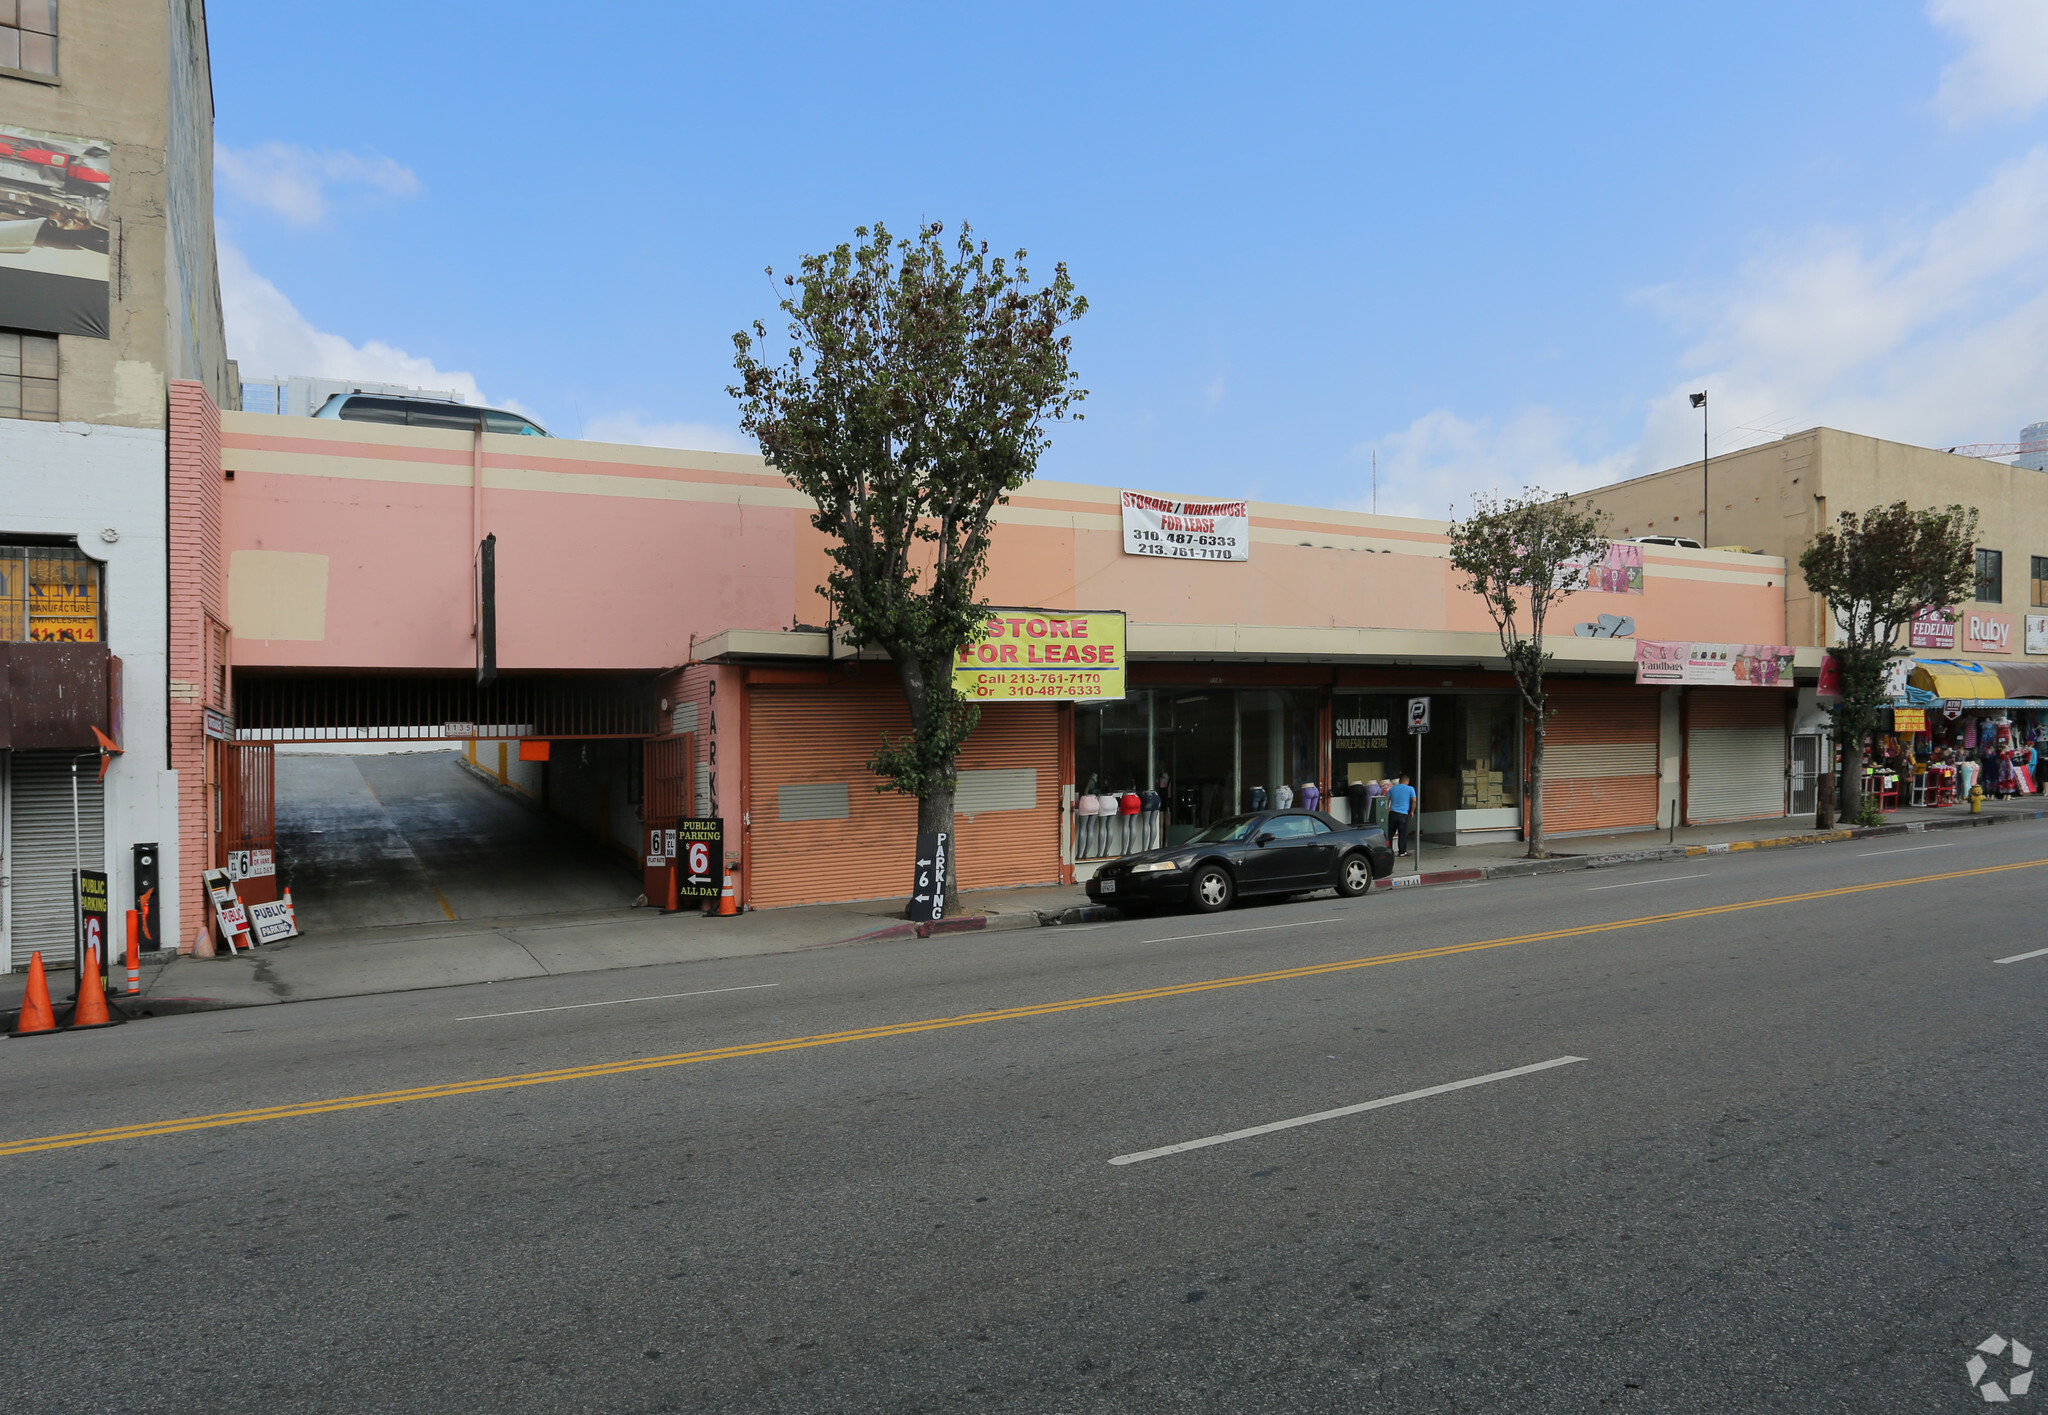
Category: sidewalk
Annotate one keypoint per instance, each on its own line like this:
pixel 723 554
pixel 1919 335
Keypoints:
pixel 401 958
pixel 1444 864
pixel 452 953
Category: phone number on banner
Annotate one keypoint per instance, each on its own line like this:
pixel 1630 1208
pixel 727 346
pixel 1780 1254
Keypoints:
pixel 1043 685
pixel 1187 547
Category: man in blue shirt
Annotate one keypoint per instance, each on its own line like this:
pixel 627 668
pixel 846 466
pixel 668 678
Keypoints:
pixel 1401 815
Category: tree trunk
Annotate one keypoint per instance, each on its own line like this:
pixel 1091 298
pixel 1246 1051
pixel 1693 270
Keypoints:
pixel 935 817
pixel 1537 849
pixel 1850 797
pixel 935 803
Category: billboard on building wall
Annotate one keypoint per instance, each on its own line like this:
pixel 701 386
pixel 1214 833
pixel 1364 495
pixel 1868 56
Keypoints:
pixel 1731 665
pixel 1618 571
pixel 1177 529
pixel 55 233
pixel 1046 655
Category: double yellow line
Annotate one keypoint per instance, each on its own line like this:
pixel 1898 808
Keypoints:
pixel 150 1129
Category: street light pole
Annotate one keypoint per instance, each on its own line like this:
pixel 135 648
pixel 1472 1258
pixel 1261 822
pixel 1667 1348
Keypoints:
pixel 1699 400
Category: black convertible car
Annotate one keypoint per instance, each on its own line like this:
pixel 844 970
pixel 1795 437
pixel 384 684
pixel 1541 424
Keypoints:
pixel 1266 852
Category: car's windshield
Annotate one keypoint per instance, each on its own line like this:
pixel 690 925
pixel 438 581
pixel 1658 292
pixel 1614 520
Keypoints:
pixel 1235 828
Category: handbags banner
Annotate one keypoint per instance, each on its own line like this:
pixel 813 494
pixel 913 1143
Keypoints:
pixel 1726 665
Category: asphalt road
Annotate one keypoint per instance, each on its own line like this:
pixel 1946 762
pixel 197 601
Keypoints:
pixel 1801 1166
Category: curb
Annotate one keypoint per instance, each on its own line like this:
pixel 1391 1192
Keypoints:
pixel 1517 869
pixel 976 923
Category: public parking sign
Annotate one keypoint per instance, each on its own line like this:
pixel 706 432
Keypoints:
pixel 699 858
pixel 1418 714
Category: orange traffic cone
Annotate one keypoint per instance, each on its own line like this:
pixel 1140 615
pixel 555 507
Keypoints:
pixel 91 1010
pixel 37 1018
pixel 728 898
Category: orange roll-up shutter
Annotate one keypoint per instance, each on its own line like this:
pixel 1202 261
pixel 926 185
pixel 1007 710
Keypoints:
pixel 820 831
pixel 1600 764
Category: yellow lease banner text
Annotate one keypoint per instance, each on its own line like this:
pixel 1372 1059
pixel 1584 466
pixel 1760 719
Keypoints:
pixel 1044 654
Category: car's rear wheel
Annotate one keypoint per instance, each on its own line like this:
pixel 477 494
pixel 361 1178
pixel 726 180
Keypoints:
pixel 1354 876
pixel 1212 889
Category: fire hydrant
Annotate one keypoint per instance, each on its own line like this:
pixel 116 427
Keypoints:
pixel 1976 799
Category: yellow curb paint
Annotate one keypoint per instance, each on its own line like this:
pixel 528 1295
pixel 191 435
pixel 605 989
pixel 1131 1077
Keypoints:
pixel 149 1129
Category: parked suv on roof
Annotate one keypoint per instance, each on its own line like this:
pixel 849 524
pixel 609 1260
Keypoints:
pixel 425 412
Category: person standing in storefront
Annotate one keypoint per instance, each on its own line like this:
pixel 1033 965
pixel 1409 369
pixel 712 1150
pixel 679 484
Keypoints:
pixel 1401 817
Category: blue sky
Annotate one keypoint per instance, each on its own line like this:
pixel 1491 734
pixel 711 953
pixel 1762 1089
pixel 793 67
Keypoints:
pixel 1498 243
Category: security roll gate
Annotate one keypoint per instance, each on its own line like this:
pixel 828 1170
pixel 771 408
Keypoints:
pixel 1735 754
pixel 1600 764
pixel 40 852
pixel 820 831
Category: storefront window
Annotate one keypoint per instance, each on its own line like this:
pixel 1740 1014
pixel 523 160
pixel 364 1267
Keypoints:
pixel 1488 778
pixel 1362 739
pixel 1205 750
pixel 1469 759
pixel 48 594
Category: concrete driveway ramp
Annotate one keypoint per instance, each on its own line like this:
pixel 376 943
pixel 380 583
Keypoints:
pixel 413 838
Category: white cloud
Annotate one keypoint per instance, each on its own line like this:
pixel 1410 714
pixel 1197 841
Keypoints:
pixel 1935 333
pixel 269 338
pixel 640 432
pixel 2003 69
pixel 294 182
pixel 1433 466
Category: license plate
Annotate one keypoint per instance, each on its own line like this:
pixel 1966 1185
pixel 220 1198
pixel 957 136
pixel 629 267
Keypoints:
pixel 1109 886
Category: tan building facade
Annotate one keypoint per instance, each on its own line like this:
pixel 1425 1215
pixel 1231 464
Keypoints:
pixel 112 360
pixel 1775 498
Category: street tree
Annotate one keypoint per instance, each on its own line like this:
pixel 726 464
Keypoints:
pixel 913 398
pixel 1522 554
pixel 1878 570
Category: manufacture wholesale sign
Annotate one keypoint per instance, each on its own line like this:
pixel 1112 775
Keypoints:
pixel 1044 654
pixel 1909 719
pixel 1730 665
pixel 1186 530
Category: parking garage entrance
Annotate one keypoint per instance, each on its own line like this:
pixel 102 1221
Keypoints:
pixel 410 799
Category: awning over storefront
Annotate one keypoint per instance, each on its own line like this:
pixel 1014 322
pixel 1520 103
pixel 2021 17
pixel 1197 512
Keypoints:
pixel 1955 678
pixel 2024 680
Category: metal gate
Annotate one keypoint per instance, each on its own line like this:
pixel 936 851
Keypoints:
pixel 42 853
pixel 1735 754
pixel 1600 764
pixel 1805 773
pixel 248 814
pixel 666 771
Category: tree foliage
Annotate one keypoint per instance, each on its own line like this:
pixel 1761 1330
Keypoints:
pixel 913 398
pixel 1878 570
pixel 1521 555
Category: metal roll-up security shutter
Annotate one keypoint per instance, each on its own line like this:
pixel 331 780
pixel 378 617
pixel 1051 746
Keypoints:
pixel 1600 764
pixel 1735 754
pixel 39 842
pixel 820 831
pixel 1007 808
